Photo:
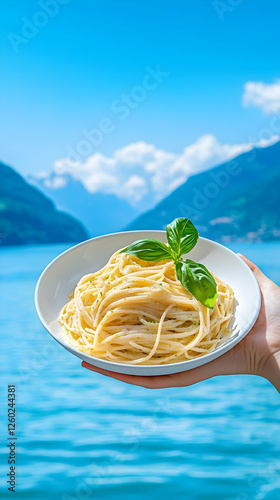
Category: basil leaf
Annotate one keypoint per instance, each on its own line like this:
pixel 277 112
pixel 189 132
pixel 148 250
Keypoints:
pixel 197 280
pixel 182 236
pixel 149 249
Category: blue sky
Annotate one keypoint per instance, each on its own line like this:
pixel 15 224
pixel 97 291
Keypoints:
pixel 65 78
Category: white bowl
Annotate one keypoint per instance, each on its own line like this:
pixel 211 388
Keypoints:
pixel 63 273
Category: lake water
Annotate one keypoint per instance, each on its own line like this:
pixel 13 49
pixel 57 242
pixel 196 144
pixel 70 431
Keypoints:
pixel 83 436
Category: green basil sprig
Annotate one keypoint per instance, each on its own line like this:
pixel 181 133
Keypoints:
pixel 149 249
pixel 182 236
pixel 198 281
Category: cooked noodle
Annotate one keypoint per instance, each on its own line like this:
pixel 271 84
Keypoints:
pixel 137 312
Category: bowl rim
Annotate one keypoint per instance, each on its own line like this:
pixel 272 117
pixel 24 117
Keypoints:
pixel 222 349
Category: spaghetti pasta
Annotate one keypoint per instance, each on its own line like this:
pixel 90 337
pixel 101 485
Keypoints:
pixel 137 312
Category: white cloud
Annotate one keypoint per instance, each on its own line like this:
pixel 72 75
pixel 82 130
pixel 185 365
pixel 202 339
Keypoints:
pixel 96 181
pixel 263 143
pixel 42 175
pixel 262 95
pixel 54 182
pixel 137 152
pixel 136 187
pixel 143 174
pixel 204 153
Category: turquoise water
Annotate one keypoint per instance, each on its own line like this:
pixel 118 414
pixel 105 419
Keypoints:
pixel 83 436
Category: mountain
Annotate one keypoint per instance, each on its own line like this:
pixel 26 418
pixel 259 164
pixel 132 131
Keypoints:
pixel 236 201
pixel 100 213
pixel 27 216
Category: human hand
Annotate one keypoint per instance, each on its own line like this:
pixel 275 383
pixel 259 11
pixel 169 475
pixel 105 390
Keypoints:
pixel 257 354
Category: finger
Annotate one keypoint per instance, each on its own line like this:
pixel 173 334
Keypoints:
pixel 256 270
pixel 156 382
pixel 150 382
pixel 107 373
pixel 228 364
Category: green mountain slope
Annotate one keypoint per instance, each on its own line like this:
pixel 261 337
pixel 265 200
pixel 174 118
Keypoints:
pixel 27 216
pixel 236 201
pixel 99 212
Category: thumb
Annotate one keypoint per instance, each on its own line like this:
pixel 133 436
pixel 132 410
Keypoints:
pixel 261 278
